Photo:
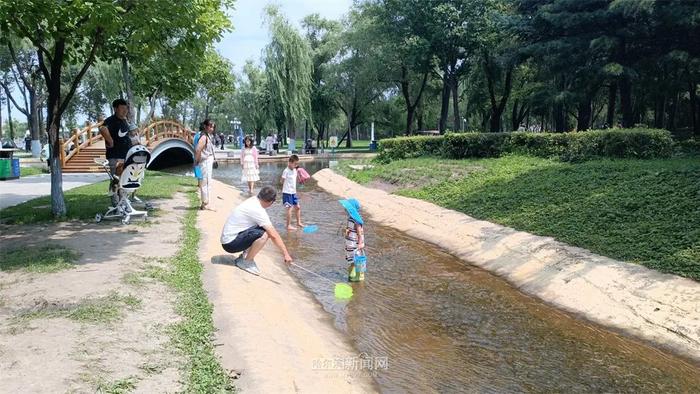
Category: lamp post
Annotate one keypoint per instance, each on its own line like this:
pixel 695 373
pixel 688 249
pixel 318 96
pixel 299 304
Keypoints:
pixel 464 122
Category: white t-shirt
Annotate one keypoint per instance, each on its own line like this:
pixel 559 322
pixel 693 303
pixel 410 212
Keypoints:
pixel 249 214
pixel 290 181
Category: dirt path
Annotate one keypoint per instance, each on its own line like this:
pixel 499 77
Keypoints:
pixel 270 330
pixel 101 325
pixel 661 308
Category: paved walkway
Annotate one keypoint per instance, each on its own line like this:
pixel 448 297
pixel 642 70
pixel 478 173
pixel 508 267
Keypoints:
pixel 29 187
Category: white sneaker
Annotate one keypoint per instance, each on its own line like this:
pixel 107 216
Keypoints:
pixel 248 266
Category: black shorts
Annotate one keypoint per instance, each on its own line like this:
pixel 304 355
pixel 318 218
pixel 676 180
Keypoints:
pixel 244 239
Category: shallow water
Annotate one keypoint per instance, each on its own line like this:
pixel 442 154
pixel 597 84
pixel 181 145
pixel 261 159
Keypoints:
pixel 445 326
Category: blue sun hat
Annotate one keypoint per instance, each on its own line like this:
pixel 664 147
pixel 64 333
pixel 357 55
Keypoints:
pixel 352 206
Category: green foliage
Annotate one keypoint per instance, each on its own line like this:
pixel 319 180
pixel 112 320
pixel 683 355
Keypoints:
pixel 579 146
pixel 253 98
pixel 43 259
pixel 289 68
pixel 407 147
pixel 641 211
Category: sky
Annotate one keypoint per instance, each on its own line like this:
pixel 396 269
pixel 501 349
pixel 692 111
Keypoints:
pixel 250 35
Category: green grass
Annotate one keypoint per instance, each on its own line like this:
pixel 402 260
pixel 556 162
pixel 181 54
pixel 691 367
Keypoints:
pixel 27 171
pixel 193 334
pixel 40 259
pixel 121 386
pixel 84 202
pixel 107 309
pixel 641 211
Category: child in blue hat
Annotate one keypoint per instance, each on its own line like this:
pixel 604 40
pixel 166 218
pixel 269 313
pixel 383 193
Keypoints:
pixel 354 240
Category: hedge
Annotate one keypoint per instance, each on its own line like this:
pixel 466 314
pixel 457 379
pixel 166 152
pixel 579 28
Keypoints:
pixel 572 146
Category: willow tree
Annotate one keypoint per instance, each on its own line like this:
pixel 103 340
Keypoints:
pixel 289 69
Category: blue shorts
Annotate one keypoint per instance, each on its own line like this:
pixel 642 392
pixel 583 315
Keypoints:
pixel 290 200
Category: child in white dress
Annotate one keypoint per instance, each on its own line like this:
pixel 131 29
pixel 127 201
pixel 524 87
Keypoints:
pixel 249 162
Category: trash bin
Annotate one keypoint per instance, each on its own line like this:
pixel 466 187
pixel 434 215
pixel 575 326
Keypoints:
pixel 9 169
pixel 373 146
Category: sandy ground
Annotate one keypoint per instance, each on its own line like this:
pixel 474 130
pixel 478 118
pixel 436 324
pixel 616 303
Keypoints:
pixel 58 354
pixel 269 329
pixel 661 308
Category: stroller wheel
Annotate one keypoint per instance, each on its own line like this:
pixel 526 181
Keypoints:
pixel 126 220
pixel 98 218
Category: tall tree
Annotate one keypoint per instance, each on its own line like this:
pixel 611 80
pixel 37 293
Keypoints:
pixel 354 75
pixel 398 31
pixel 324 38
pixel 24 67
pixel 289 67
pixel 253 99
pixel 66 33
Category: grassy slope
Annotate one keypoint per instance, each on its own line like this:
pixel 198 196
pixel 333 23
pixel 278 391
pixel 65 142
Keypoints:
pixel 647 212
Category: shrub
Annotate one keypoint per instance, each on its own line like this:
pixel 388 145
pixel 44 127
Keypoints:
pixel 462 145
pixel 407 147
pixel 573 146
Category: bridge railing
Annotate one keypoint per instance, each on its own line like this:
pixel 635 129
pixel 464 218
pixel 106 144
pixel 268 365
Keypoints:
pixel 164 129
pixel 80 138
pixel 90 134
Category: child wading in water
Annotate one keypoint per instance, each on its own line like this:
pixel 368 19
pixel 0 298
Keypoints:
pixel 354 240
pixel 289 192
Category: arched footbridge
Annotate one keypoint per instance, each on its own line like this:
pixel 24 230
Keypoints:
pixel 170 144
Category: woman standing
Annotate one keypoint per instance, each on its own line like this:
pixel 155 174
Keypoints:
pixel 204 158
pixel 249 162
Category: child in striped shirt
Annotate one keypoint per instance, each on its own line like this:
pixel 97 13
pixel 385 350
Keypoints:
pixel 354 240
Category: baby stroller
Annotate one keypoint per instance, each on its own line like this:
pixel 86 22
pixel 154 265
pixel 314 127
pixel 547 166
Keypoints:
pixel 127 183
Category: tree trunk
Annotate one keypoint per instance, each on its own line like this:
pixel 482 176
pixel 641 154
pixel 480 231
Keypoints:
pixel 291 133
pixel 405 90
pixel 584 114
pixel 455 103
pixel 626 102
pixel 9 121
pixel 672 110
pixel 58 204
pixel 348 141
pixel 419 119
pixel 612 100
pixel 42 119
pixel 659 112
pixel 559 114
pixel 519 114
pixel 444 99
pixel 695 122
pixel 497 106
pixel 152 109
pixel 138 114
pixel 34 123
pixel 0 119
pixel 321 133
pixel 515 123
pixel 127 83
